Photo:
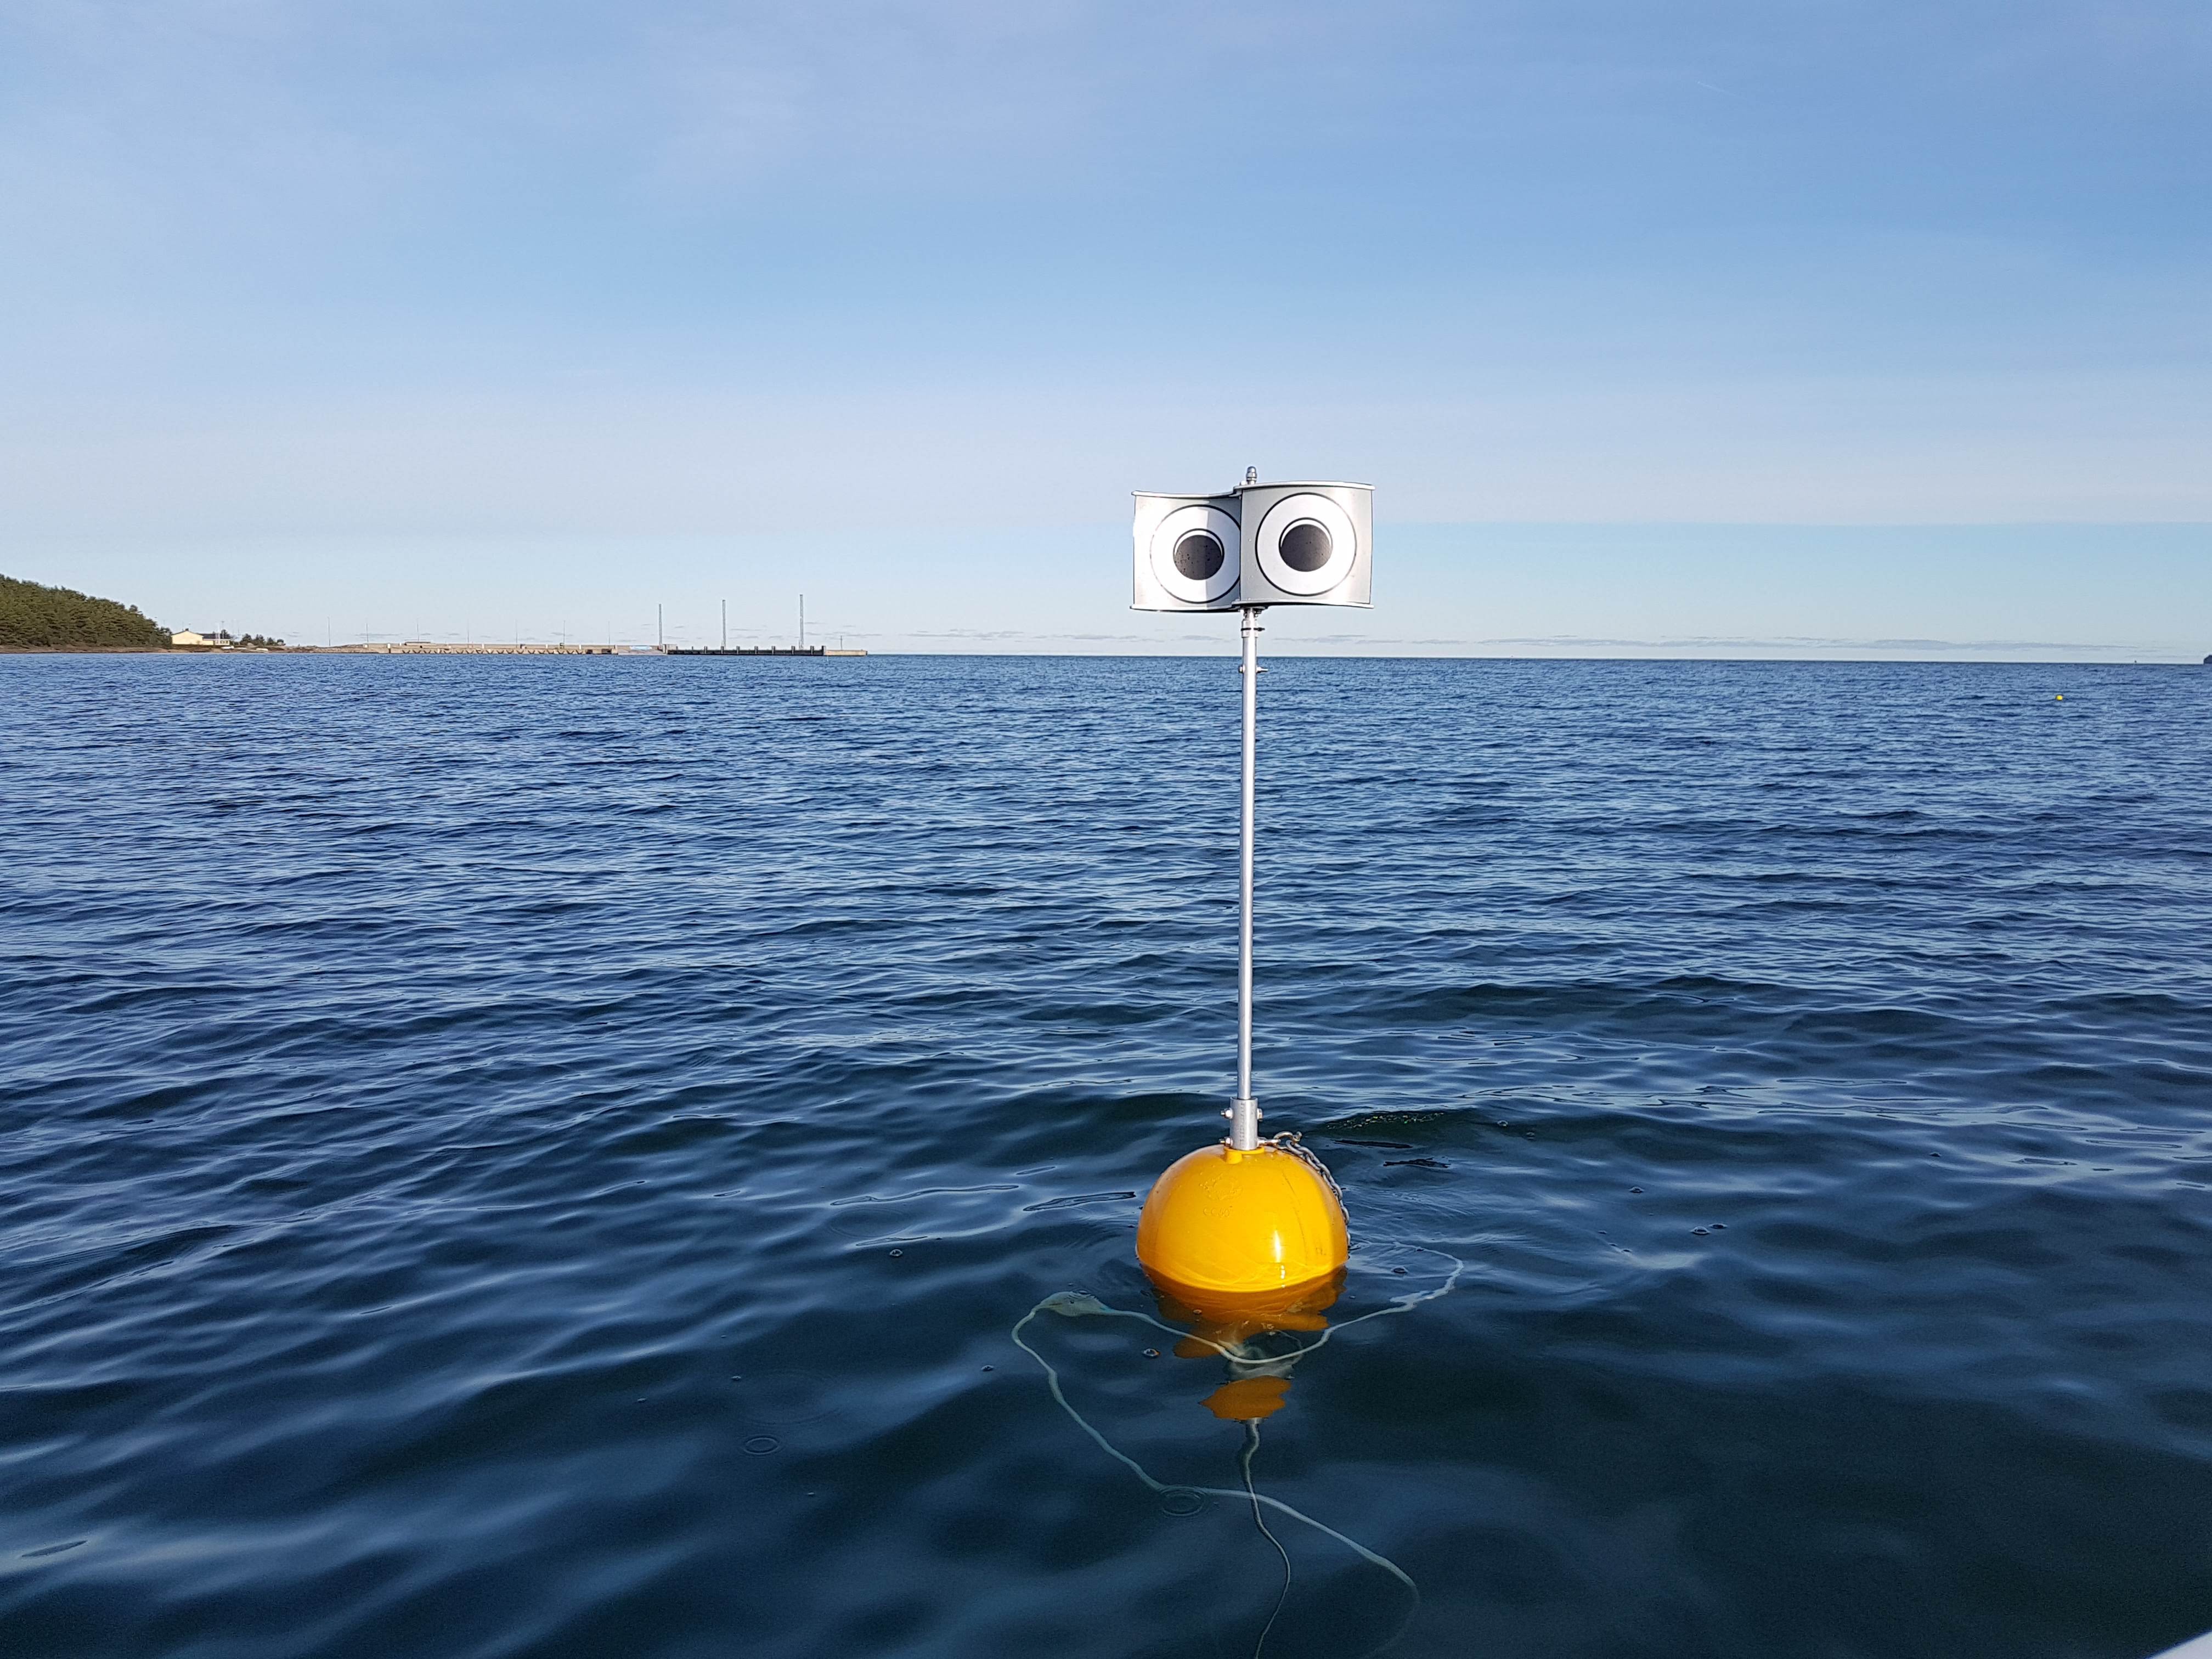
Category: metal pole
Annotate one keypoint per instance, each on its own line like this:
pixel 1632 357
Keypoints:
pixel 660 631
pixel 725 624
pixel 802 622
pixel 1243 1112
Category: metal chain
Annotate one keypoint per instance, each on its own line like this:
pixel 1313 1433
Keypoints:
pixel 1288 1141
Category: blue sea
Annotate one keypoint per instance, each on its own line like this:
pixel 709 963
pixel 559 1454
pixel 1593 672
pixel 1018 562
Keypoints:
pixel 544 1158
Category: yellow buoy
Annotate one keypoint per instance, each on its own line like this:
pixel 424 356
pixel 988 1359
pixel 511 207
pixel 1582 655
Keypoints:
pixel 1222 1222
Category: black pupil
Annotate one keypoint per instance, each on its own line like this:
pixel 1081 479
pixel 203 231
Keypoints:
pixel 1198 555
pixel 1305 545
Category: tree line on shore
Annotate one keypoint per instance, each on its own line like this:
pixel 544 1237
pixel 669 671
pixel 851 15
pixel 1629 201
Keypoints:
pixel 36 617
pixel 33 615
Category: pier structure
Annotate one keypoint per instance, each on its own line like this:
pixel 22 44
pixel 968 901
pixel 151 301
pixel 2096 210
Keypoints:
pixel 446 648
pixel 494 648
pixel 758 651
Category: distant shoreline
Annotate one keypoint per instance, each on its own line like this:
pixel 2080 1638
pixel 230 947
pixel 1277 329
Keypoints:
pixel 129 651
pixel 412 649
pixel 642 653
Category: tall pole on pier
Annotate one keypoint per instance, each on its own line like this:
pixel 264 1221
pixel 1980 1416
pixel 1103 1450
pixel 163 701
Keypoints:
pixel 802 622
pixel 725 624
pixel 659 633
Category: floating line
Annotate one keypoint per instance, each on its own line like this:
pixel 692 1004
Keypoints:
pixel 1258 1519
pixel 1077 1304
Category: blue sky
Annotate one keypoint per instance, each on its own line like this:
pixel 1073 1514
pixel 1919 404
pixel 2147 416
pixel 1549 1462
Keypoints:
pixel 1774 328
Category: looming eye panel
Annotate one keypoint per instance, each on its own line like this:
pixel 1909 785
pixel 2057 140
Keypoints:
pixel 1198 555
pixel 1256 544
pixel 1193 553
pixel 1307 544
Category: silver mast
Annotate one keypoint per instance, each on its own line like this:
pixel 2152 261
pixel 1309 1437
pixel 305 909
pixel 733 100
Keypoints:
pixel 1243 1112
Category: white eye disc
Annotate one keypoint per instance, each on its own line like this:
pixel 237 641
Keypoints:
pixel 1307 544
pixel 1194 551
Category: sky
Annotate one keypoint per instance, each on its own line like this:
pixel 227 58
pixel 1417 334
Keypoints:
pixel 1773 328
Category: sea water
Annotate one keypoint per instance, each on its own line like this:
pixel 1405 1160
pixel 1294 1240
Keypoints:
pixel 541 1157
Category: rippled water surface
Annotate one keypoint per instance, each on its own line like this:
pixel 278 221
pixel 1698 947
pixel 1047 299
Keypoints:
pixel 544 1157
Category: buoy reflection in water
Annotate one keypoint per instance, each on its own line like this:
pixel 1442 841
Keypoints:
pixel 1234 1326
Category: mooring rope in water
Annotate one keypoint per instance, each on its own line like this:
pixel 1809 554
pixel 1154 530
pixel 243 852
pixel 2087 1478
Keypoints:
pixel 1077 1304
pixel 1073 1304
pixel 1258 1519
